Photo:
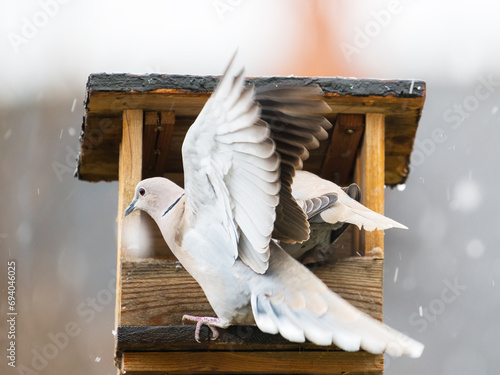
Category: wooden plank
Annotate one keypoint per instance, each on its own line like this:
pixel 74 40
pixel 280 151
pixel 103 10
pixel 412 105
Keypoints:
pixel 369 175
pixel 165 133
pixel 130 166
pixel 157 292
pixel 130 171
pixel 189 104
pixel 340 157
pixel 306 362
pixel 141 83
pixel 181 338
pixel 151 123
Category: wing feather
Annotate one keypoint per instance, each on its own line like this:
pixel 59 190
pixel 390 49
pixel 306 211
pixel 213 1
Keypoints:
pixel 240 156
pixel 307 187
pixel 296 127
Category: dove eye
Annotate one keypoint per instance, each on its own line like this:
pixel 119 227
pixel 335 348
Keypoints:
pixel 142 192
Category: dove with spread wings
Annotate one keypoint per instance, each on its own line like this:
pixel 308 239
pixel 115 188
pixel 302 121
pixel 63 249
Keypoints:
pixel 240 157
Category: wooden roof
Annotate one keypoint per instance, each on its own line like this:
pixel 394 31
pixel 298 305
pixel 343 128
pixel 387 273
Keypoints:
pixel 109 94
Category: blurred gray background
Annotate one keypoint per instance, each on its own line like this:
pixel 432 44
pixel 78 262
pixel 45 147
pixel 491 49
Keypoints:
pixel 442 276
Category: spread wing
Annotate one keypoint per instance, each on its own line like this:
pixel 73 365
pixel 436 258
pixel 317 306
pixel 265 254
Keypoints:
pixel 239 171
pixel 293 115
pixel 314 194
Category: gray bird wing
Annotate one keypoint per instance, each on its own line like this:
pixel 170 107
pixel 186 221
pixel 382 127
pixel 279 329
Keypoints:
pixel 239 158
pixel 293 115
pixel 307 186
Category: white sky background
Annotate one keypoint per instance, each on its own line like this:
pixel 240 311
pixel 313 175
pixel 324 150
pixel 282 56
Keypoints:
pixel 451 41
pixel 127 36
pixel 440 41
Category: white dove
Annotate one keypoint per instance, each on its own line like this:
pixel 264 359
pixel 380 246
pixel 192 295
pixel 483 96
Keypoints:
pixel 239 158
pixel 330 209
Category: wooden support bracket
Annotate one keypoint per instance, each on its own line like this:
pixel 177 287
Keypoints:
pixel 151 124
pixel 340 157
pixel 167 122
pixel 158 132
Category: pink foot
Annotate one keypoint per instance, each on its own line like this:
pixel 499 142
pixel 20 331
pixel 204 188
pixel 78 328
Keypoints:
pixel 210 322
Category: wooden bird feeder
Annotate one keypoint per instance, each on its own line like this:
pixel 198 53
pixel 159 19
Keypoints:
pixel 133 128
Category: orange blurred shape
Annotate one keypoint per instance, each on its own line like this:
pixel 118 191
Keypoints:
pixel 318 52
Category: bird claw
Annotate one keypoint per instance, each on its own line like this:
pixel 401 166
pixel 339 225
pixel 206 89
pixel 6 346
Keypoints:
pixel 210 322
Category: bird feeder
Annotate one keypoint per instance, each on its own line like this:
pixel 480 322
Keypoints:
pixel 133 128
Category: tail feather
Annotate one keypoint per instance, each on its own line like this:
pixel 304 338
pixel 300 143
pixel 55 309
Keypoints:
pixel 302 306
pixel 360 331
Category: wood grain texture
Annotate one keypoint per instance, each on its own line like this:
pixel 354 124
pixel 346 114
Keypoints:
pixel 344 141
pixel 306 362
pixel 130 173
pixel 369 175
pixel 158 292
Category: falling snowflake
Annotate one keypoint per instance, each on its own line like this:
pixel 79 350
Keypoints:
pixel 475 248
pixel 466 196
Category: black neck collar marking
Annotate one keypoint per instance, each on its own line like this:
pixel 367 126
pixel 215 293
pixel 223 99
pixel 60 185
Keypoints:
pixel 172 205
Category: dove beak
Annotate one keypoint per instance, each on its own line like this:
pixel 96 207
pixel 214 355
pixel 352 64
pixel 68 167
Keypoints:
pixel 131 207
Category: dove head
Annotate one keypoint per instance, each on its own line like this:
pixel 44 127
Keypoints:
pixel 156 196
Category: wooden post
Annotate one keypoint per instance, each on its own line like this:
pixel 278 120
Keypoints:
pixel 129 174
pixel 370 176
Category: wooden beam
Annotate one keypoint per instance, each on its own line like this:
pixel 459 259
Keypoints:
pixel 341 154
pixel 130 173
pixel 151 123
pixel 165 132
pixel 256 362
pixel 158 292
pixel 370 176
pixel 170 338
